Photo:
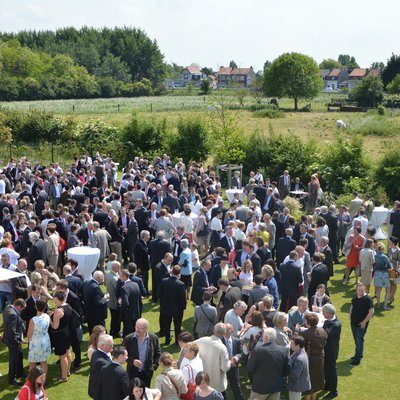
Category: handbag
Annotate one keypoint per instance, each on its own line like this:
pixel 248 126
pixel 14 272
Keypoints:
pixel 29 393
pixel 76 320
pixel 191 386
pixel 62 245
pixel 346 248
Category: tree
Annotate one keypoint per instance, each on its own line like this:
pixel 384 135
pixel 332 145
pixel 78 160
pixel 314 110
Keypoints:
pixel 5 131
pixel 391 70
pixel 394 86
pixel 348 62
pixel 174 70
pixel 293 75
pixel 113 67
pixel 256 89
pixel 387 174
pixel 369 93
pixel 339 162
pixel 207 70
pixel 329 63
pixel 205 86
pixel 267 64
pixel 189 131
pixel 378 65
pixel 232 64
pixel 226 136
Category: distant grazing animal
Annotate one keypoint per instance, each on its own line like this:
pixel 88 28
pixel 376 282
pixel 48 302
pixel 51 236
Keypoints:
pixel 340 124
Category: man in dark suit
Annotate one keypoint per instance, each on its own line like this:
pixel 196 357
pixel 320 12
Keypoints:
pixel 333 328
pixel 101 216
pixel 142 257
pixel 332 222
pixel 162 270
pixel 269 366
pixel 319 274
pixel 291 279
pixel 75 269
pixel 95 302
pixel 297 185
pixel 261 193
pixel 19 286
pixel 230 295
pixel 142 364
pixel 284 184
pixel 326 250
pixel 74 283
pixel 172 202
pixel 157 248
pixel 311 241
pixel 252 256
pixel 172 304
pixel 216 210
pixel 130 305
pixel 30 310
pixel 201 283
pixel 228 241
pixel 176 243
pixel 13 326
pixel 395 221
pixel 233 345
pixel 284 246
pixel 132 268
pixel 114 380
pixel 132 235
pixel 236 181
pixel 268 206
pixel 74 301
pixel 37 251
pixel 100 359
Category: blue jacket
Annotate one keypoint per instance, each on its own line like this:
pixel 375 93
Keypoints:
pixel 299 377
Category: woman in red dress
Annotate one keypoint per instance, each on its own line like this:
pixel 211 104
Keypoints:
pixel 353 259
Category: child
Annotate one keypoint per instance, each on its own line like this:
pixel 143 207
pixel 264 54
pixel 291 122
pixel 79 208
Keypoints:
pixel 195 257
pixel 111 258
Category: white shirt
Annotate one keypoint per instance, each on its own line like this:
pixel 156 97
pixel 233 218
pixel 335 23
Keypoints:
pixel 196 364
pixel 2 186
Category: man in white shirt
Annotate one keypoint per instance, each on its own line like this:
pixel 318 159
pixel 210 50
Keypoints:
pixel 234 317
pixel 361 220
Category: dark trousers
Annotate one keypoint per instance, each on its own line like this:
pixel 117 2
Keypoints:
pixel 92 323
pixel 287 302
pixel 145 277
pixel 358 335
pixel 145 376
pixel 76 348
pixel 166 320
pixel 334 246
pixel 331 378
pixel 129 326
pixel 340 244
pixel 115 324
pixel 234 383
pixel 15 362
pixel 154 286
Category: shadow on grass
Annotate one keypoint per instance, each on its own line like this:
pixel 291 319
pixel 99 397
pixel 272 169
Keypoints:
pixel 344 368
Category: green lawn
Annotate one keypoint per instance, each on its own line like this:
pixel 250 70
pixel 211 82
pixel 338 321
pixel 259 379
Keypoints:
pixel 380 363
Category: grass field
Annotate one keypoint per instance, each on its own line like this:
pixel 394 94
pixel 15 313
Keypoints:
pixel 376 377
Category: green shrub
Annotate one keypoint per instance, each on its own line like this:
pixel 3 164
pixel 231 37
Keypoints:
pixel 374 125
pixel 294 206
pixel 387 174
pixel 269 114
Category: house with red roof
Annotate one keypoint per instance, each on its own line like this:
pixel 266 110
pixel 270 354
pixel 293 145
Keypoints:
pixel 358 74
pixel 335 77
pixel 244 77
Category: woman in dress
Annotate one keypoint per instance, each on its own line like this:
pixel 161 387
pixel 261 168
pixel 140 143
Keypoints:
pixel 52 244
pixel 139 391
pixel 322 229
pixel 39 340
pixel 204 390
pixel 253 332
pixel 246 279
pixel 170 382
pixel 315 340
pixel 60 334
pixel 269 281
pixel 98 330
pixel 356 241
pixel 33 388
pixel 202 231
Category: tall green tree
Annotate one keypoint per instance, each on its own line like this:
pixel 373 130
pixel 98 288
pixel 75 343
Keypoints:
pixel 293 75
pixel 232 64
pixel 369 93
pixel 394 86
pixel 387 174
pixel 348 61
pixel 391 70
pixel 330 63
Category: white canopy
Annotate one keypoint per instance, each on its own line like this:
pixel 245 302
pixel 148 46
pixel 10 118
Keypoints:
pixel 6 274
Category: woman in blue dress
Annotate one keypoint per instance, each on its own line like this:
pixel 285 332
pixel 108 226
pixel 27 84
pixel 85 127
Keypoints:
pixel 39 341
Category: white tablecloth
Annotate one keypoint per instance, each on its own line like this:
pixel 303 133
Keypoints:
pixel 231 192
pixel 297 192
pixel 378 218
pixel 177 216
pixel 87 258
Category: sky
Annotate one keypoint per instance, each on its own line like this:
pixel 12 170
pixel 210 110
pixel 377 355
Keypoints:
pixel 212 33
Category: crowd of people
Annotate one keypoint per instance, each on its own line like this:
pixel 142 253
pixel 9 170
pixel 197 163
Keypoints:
pixel 258 277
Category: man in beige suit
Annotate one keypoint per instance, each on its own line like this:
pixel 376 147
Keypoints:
pixel 355 205
pixel 215 358
pixel 100 241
